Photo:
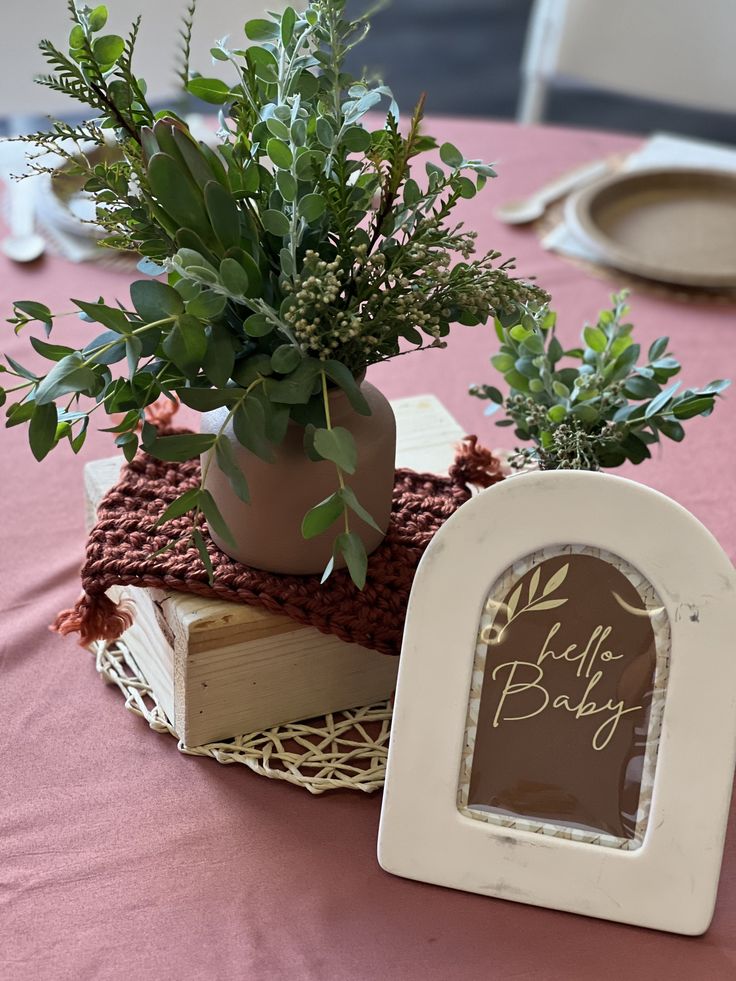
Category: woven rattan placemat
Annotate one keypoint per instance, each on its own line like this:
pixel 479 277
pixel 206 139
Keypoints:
pixel 339 751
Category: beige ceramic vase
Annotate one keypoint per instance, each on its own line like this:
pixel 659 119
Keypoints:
pixel 268 530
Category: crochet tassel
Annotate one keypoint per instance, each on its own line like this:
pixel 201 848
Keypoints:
pixel 474 464
pixel 161 412
pixel 95 617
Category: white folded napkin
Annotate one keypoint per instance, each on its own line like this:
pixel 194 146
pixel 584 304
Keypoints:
pixel 76 244
pixel 660 150
pixel 67 229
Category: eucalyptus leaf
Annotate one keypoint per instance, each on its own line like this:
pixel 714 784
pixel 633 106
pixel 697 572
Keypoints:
pixel 128 443
pixel 286 358
pixel 312 207
pixel 258 325
pixel 71 374
pixel 176 196
pixel 110 317
pixel 186 345
pixel 347 495
pixel 52 352
pixel 249 425
pixel 297 387
pixel 42 430
pixel 211 90
pixel 275 222
pixel 215 519
pixel 186 502
pixel 450 155
pixel 337 444
pixel 204 555
pixel 234 278
pixel 322 516
pixel 228 464
pixel 219 357
pixel 260 29
pixel 34 311
pixel 133 351
pixel 107 49
pixel 177 449
pixel 279 153
pixel 343 378
pixel 206 305
pixel 351 547
pixel 19 413
pixel 207 399
pixel 154 301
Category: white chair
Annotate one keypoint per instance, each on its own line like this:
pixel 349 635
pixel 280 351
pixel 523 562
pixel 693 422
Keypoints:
pixel 672 51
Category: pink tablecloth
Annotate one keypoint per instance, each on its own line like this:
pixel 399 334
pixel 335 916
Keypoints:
pixel 120 858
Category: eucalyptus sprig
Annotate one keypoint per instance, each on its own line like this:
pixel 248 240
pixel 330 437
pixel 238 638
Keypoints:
pixel 301 249
pixel 602 409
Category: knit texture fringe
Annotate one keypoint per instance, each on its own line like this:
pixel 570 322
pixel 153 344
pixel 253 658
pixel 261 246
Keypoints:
pixel 127 532
pixel 476 465
pixel 95 617
pixel 161 412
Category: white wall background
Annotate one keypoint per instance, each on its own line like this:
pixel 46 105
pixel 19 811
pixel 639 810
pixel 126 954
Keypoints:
pixel 25 22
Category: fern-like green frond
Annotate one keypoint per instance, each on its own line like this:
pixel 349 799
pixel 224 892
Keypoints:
pixel 186 41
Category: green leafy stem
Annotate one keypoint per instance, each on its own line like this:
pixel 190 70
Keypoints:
pixel 594 406
pixel 285 279
pixel 335 443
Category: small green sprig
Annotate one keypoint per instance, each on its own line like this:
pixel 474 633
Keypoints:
pixel 602 409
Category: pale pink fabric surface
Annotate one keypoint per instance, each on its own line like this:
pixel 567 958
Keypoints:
pixel 120 858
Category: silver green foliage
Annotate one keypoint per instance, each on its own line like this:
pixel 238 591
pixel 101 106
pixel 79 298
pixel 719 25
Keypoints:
pixel 594 406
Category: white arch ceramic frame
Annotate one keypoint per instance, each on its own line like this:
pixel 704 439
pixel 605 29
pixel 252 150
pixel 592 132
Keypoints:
pixel 670 882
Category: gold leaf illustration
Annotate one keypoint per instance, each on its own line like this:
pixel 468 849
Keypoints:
pixel 513 603
pixel 556 580
pixel 547 604
pixel 534 583
pixel 637 611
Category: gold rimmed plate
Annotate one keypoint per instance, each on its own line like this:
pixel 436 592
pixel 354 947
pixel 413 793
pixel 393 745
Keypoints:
pixel 672 225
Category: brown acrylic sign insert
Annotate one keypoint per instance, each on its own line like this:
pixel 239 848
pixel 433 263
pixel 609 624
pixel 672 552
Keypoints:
pixel 564 717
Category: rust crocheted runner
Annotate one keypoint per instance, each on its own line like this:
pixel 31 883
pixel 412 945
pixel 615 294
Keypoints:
pixel 121 547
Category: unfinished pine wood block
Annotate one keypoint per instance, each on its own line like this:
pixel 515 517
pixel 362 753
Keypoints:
pixel 220 669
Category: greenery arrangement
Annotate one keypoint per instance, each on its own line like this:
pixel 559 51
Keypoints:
pixel 601 410
pixel 299 251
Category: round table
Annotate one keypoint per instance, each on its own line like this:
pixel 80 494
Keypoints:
pixel 121 858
